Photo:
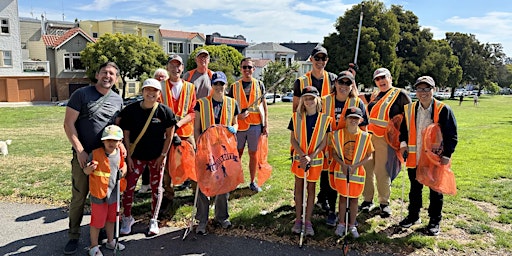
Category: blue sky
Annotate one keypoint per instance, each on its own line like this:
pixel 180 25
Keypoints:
pixel 281 20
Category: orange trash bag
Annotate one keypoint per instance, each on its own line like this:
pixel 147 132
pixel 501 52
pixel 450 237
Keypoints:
pixel 218 166
pixel 430 172
pixel 264 168
pixel 393 133
pixel 181 163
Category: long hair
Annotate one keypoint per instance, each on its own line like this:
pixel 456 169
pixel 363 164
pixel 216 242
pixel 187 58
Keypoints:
pixel 302 109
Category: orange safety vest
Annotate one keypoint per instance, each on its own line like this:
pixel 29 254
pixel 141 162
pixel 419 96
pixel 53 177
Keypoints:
pixel 254 117
pixel 184 105
pixel 99 178
pixel 207 115
pixel 328 104
pixel 379 115
pixel 191 74
pixel 305 80
pixel 337 177
pixel 410 117
pixel 300 134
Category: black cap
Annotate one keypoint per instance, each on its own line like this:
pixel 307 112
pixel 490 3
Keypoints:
pixel 309 90
pixel 354 112
pixel 318 49
pixel 346 74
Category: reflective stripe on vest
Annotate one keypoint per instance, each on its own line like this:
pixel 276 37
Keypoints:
pixel 328 105
pixel 100 178
pixel 207 115
pixel 379 115
pixel 184 105
pixel 254 117
pixel 410 120
pixel 305 80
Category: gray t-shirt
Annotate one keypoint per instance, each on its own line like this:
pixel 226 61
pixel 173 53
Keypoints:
pixel 111 197
pixel 202 82
pixel 96 112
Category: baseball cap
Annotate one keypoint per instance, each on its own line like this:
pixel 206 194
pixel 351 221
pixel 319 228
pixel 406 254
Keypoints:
pixel 318 49
pixel 151 82
pixel 346 74
pixel 425 80
pixel 309 90
pixel 175 57
pixel 219 76
pixel 112 132
pixel 381 72
pixel 201 52
pixel 354 112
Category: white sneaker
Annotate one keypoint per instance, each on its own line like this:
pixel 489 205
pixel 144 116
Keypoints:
pixel 95 251
pixel 353 231
pixel 126 226
pixel 153 227
pixel 144 188
pixel 112 246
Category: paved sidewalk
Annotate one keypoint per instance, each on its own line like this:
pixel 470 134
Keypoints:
pixel 29 229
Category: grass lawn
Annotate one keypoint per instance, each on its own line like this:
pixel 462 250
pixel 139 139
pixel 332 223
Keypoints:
pixel 478 220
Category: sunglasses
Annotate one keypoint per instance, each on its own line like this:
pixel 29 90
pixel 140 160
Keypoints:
pixel 428 89
pixel 247 67
pixel 219 83
pixel 324 58
pixel 379 78
pixel 347 83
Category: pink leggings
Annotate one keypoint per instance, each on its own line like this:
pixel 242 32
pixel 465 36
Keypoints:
pixel 155 180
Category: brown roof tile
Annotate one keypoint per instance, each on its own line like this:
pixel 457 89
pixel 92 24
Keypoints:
pixel 56 41
pixel 180 34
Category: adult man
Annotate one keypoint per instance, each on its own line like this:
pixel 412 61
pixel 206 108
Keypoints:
pixel 88 112
pixel 324 82
pixel 385 104
pixel 252 121
pixel 418 116
pixel 180 96
pixel 201 76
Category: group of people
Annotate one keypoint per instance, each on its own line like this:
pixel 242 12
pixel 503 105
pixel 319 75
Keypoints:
pixel 353 142
pixel 337 136
pixel 114 145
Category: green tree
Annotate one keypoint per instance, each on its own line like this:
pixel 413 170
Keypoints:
pixel 277 77
pixel 135 56
pixel 222 58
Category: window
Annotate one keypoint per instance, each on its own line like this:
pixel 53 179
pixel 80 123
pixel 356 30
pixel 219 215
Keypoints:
pixel 4 26
pixel 131 87
pixel 95 34
pixel 192 47
pixel 72 62
pixel 175 47
pixel 151 37
pixel 5 59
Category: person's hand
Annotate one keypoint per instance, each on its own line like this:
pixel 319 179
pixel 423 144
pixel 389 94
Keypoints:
pixel 82 158
pixel 445 160
pixel 264 130
pixel 232 129
pixel 91 166
pixel 176 140
pixel 243 115
pixel 305 160
pixel 403 152
pixel 131 166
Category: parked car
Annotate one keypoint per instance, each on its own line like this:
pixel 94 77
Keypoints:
pixel 288 97
pixel 133 99
pixel 270 98
pixel 412 95
pixel 442 95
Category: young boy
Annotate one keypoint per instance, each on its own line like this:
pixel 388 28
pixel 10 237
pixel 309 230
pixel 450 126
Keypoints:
pixel 351 148
pixel 104 165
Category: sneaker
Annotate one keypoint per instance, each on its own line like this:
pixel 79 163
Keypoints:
pixel 153 227
pixel 112 246
pixel 95 251
pixel 126 226
pixel 185 185
pixel 331 219
pixel 323 204
pixel 201 229
pixel 309 229
pixel 433 229
pixel 144 188
pixel 71 246
pixel 353 231
pixel 297 227
pixel 409 221
pixel 254 187
pixel 340 230
pixel 385 211
pixel 225 224
pixel 365 206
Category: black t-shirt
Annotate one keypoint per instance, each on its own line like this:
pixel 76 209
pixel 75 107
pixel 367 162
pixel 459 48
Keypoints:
pixel 217 108
pixel 338 108
pixel 133 119
pixel 310 125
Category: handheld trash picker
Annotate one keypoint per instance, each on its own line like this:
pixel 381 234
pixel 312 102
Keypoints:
pixel 194 212
pixel 304 204
pixel 118 187
pixel 344 247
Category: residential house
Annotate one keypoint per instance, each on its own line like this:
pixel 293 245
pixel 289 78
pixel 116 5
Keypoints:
pixel 20 80
pixel 303 52
pixel 271 51
pixel 98 28
pixel 238 42
pixel 181 43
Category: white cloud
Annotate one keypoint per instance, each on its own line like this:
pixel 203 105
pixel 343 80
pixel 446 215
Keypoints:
pixel 100 5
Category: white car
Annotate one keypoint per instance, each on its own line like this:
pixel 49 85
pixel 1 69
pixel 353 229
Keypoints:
pixel 270 98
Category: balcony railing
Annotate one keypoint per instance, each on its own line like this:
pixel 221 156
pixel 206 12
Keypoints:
pixel 36 66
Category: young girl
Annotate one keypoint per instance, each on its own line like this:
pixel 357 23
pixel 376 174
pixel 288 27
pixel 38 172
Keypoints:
pixel 350 148
pixel 309 128
pixel 103 168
